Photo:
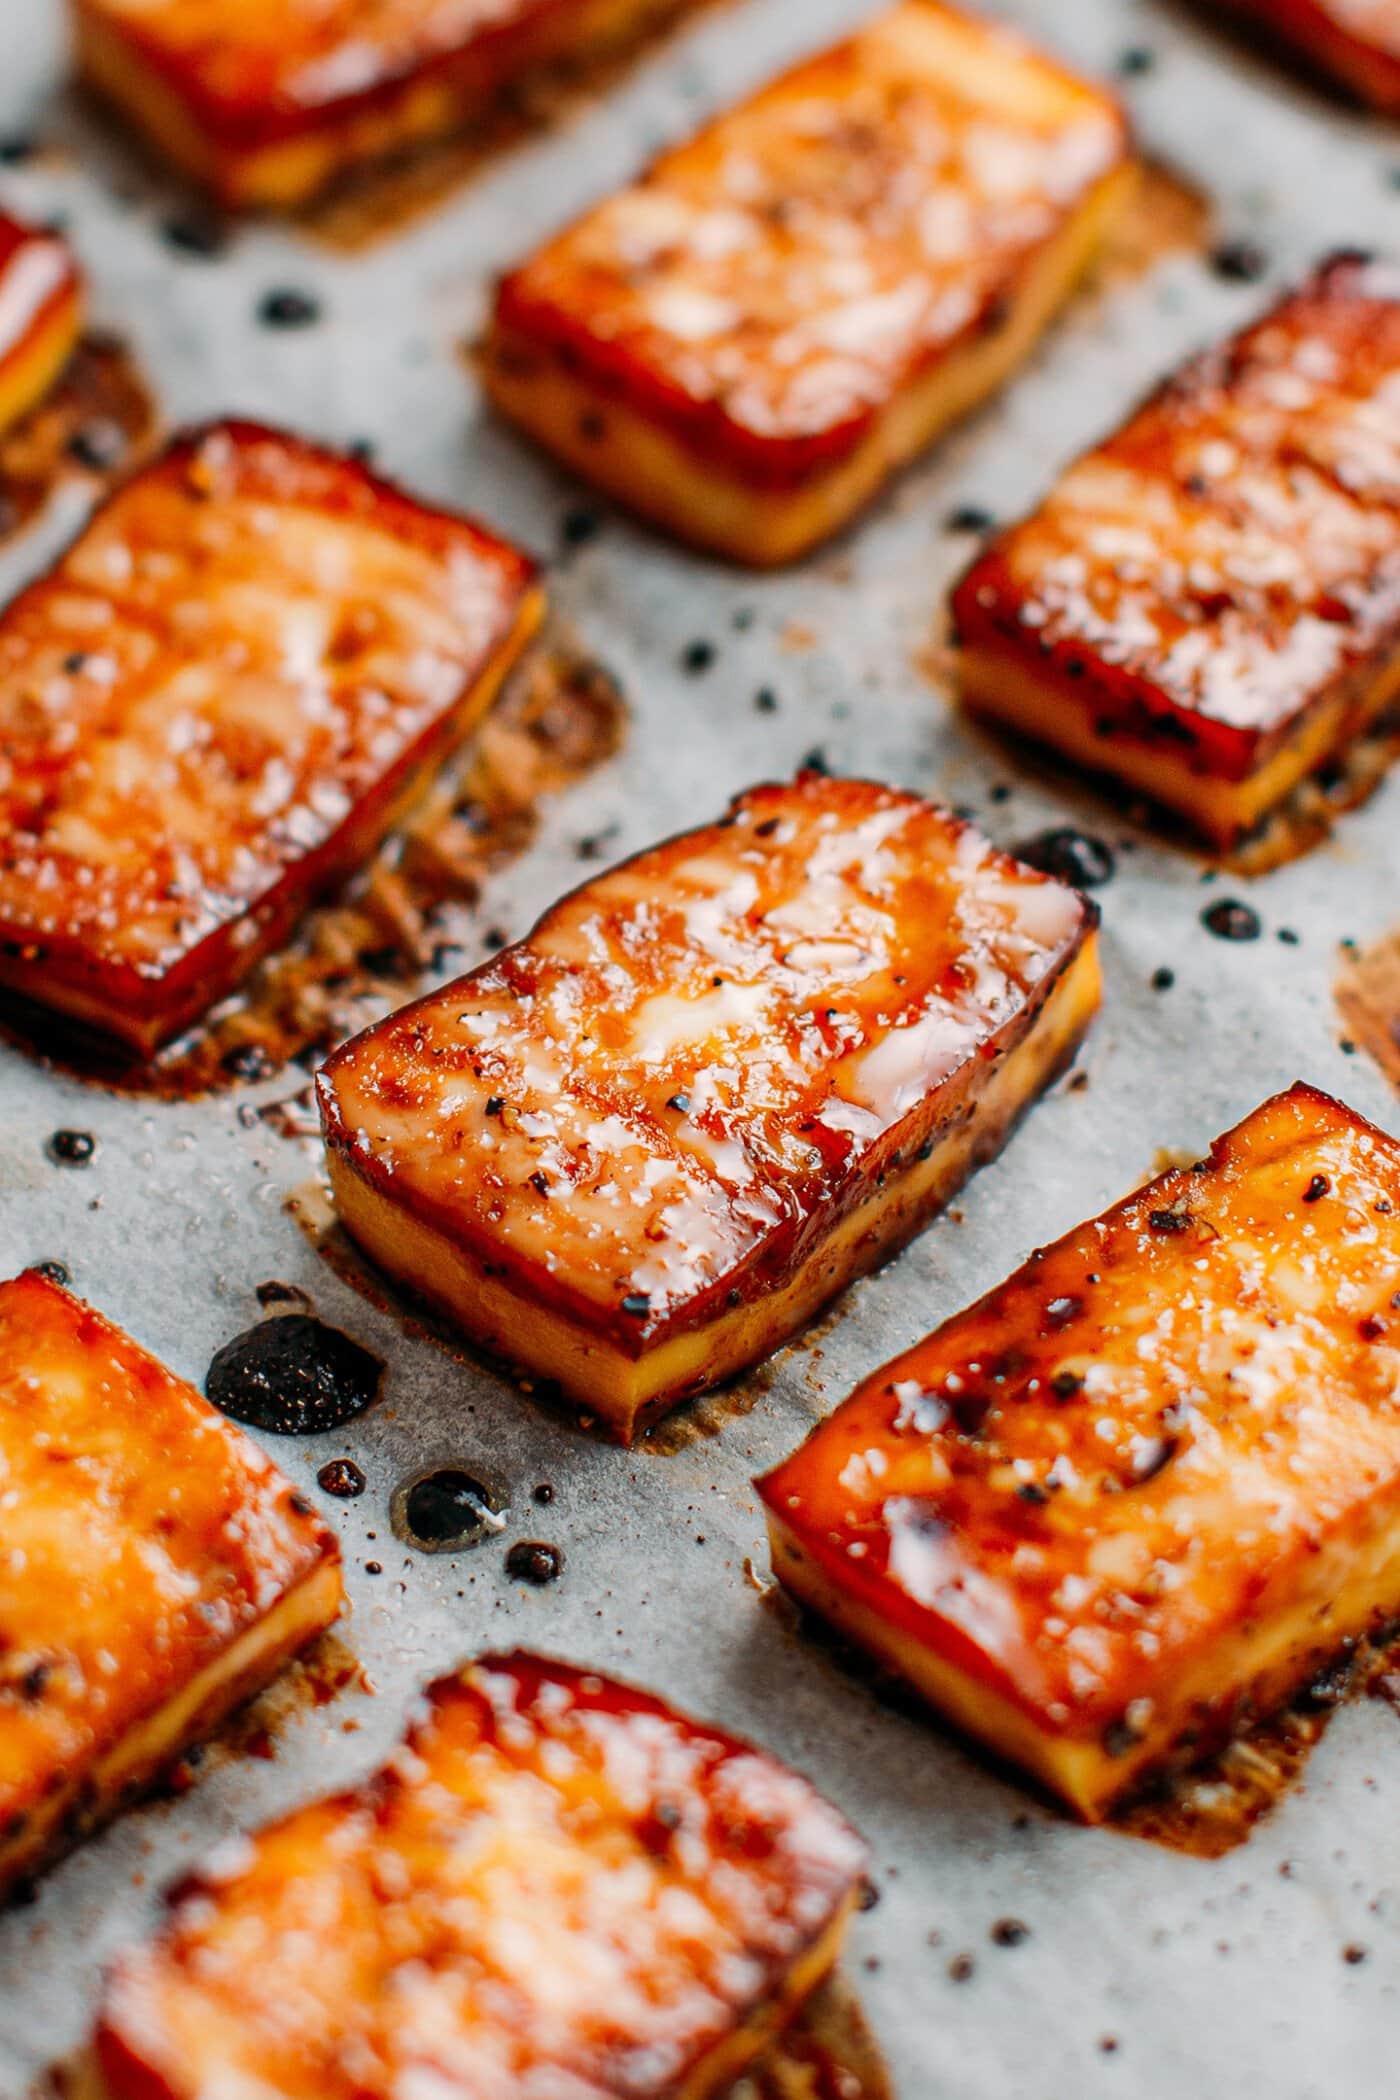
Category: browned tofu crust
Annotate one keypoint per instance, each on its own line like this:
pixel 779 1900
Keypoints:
pixel 145 1545
pixel 1215 590
pixel 768 291
pixel 215 705
pixel 268 100
pixel 696 1070
pixel 1356 42
pixel 1146 1486
pixel 558 1885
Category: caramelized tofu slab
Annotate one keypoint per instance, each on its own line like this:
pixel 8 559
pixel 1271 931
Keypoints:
pixel 215 706
pixel 41 310
pixel 155 1570
pixel 638 1150
pixel 265 102
pixel 748 341
pixel 1207 607
pixel 558 1886
pixel 1146 1488
pixel 1356 42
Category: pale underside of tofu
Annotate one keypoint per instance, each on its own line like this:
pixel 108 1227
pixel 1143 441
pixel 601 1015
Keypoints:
pixel 286 172
pixel 1352 1588
pixel 696 496
pixel 1052 710
pixel 91 1794
pixel 629 1392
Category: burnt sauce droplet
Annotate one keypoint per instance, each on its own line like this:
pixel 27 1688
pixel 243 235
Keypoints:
pixel 1229 920
pixel 530 1560
pixel 1071 856
pixel 342 1478
pixel 445 1509
pixel 293 1376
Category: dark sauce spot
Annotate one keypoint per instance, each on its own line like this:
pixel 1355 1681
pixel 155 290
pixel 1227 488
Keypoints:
pixel 1239 262
pixel 293 1376
pixel 1136 60
pixel 697 657
pixel 969 517
pixel 274 1293
pixel 1070 856
pixel 445 1509
pixel 288 308
pixel 72 1148
pixel 578 527
pixel 960 1968
pixel 1229 920
pixel 246 1061
pixel 99 444
pixel 529 1560
pixel 1009 1932
pixel 16 149
pixel 1316 1189
pixel 342 1478
pixel 1163 980
pixel 196 233
pixel 544 1493
pixel 766 700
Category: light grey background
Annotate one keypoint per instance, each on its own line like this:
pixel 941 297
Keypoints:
pixel 1218 1980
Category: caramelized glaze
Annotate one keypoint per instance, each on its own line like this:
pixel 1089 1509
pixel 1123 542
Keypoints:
pixel 696 1066
pixel 1355 42
pixel 214 706
pixel 1205 583
pixel 557 1884
pixel 768 286
pixel 1148 1484
pixel 143 1539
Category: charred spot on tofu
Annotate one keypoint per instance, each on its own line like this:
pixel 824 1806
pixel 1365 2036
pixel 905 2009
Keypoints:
pixel 638 1150
pixel 215 705
pixel 747 341
pixel 1356 43
pixel 155 1570
pixel 41 309
pixel 1207 606
pixel 558 1883
pixel 1144 1489
pixel 266 103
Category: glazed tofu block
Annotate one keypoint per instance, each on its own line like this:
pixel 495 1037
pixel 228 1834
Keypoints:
pixel 558 1886
pixel 1207 607
pixel 1356 42
pixel 748 341
pixel 155 1571
pixel 214 707
pixel 1145 1489
pixel 265 102
pixel 41 310
pixel 638 1150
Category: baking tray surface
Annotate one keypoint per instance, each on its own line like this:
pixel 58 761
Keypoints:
pixel 1142 1971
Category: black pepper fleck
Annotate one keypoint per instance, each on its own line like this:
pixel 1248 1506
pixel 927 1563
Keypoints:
pixel 286 307
pixel 1239 262
pixel 1316 1189
pixel 697 657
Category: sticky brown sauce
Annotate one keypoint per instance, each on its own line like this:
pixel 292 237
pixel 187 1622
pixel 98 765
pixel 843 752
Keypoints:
pixel 1210 1810
pixel 311 1681
pixel 407 920
pixel 828 2053
pixel 90 427
pixel 371 204
pixel 1368 1000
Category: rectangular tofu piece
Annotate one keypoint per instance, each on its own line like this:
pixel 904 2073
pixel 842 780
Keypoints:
pixel 558 1885
pixel 1356 42
pixel 748 341
pixel 155 1571
pixel 41 311
pixel 641 1148
pixel 1207 607
pixel 266 102
pixel 216 704
pixel 1143 1490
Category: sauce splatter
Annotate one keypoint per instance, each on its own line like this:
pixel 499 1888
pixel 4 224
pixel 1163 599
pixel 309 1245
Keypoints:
pixel 1229 920
pixel 530 1560
pixel 1071 856
pixel 445 1509
pixel 342 1478
pixel 293 1376
pixel 91 424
